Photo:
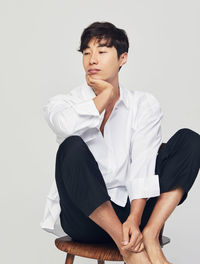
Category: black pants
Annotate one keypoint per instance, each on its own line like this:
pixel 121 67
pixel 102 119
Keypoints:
pixel 82 188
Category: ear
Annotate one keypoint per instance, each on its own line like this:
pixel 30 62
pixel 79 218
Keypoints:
pixel 123 58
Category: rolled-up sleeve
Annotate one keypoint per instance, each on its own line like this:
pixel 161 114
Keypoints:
pixel 142 182
pixel 68 116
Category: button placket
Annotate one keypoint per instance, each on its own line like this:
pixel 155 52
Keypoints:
pixel 107 138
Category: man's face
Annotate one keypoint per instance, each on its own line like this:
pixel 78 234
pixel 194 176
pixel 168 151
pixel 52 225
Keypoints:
pixel 103 58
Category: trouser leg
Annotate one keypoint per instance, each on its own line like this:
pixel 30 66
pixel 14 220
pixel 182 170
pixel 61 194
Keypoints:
pixel 81 189
pixel 177 164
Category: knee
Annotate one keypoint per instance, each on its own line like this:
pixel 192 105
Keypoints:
pixel 73 145
pixel 191 138
pixel 186 131
pixel 71 140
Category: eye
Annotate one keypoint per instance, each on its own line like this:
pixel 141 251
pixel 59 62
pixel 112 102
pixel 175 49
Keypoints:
pixel 86 53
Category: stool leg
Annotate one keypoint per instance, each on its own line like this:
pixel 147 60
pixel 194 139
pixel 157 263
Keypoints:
pixel 100 261
pixel 69 259
pixel 160 236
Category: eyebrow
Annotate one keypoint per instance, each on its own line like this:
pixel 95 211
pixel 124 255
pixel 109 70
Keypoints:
pixel 100 45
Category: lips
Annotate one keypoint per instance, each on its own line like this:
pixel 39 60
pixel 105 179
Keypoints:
pixel 93 70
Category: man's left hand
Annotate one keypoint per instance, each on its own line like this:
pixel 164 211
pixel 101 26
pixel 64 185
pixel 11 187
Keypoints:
pixel 133 243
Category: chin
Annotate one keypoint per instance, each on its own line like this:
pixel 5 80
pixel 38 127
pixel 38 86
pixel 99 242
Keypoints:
pixel 96 76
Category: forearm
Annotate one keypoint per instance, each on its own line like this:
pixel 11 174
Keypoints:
pixel 137 208
pixel 103 99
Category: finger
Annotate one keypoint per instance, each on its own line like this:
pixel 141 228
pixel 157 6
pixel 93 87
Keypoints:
pixel 134 248
pixel 141 248
pixel 125 231
pixel 129 245
pixel 133 239
pixel 88 79
pixel 138 248
pixel 91 80
pixel 139 240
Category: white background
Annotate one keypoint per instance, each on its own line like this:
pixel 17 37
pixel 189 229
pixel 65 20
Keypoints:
pixel 39 59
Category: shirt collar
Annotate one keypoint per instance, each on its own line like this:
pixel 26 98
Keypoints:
pixel 123 93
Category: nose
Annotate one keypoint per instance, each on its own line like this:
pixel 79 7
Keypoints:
pixel 93 58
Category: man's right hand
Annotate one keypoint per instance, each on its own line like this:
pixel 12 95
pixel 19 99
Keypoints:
pixel 99 85
pixel 104 92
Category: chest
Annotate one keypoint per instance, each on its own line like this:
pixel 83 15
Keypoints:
pixel 112 144
pixel 106 116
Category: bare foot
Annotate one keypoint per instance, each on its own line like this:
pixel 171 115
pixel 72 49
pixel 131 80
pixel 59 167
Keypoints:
pixel 131 257
pixel 153 248
pixel 137 258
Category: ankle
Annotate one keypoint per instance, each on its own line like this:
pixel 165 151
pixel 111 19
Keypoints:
pixel 123 252
pixel 117 238
pixel 149 232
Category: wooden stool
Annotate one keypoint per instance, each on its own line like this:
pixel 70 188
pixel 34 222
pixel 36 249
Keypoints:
pixel 99 251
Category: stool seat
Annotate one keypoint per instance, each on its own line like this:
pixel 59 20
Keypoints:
pixel 99 251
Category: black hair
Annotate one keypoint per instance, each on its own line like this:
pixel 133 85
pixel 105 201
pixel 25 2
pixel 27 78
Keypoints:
pixel 114 36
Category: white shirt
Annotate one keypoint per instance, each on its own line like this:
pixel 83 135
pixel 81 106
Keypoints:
pixel 127 152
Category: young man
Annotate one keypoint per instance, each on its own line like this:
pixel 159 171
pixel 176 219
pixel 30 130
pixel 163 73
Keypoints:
pixel 114 179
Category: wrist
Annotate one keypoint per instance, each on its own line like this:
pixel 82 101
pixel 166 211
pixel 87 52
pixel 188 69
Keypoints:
pixel 135 219
pixel 109 93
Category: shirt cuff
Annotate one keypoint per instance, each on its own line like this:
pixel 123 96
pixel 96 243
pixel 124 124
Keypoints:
pixel 87 107
pixel 143 187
